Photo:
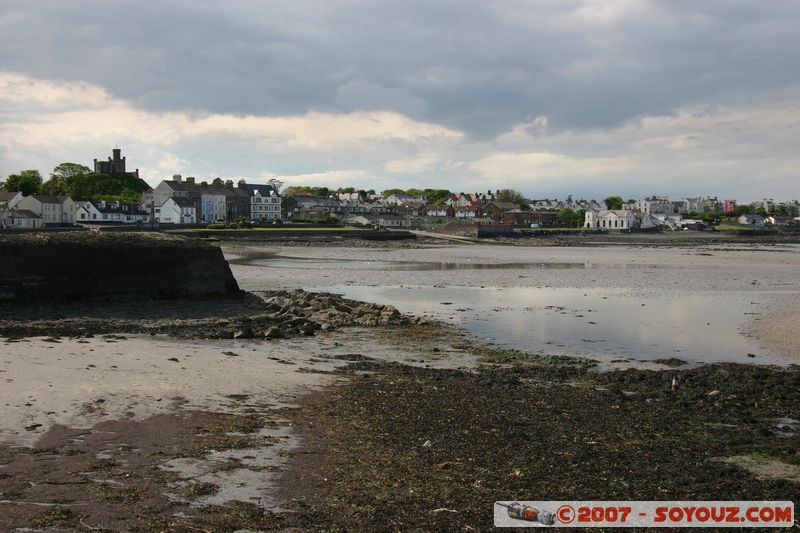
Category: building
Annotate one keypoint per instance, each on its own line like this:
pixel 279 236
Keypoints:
pixel 529 219
pixel 53 210
pixel 728 206
pixel 402 198
pixel 441 210
pixel 654 204
pixel 176 211
pixel 24 219
pixel 114 165
pixel 495 210
pixel 751 220
pixel 468 212
pixel 692 205
pixel 265 201
pixel 776 220
pixel 393 221
pixel 265 207
pixel 621 219
pixel 8 201
pixel 101 211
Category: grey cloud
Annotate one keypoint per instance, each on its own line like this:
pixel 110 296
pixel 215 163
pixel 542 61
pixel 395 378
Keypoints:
pixel 476 66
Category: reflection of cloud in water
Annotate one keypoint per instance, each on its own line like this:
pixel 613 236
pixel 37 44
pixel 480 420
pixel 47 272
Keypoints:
pixel 691 326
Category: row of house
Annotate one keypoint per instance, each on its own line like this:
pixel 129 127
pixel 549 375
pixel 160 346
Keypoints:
pixel 35 210
pixel 180 201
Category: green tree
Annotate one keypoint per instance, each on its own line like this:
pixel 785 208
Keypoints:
pixel 388 192
pixel 27 182
pixel 68 170
pixel 569 218
pixel 436 196
pixel 510 195
pixel 613 202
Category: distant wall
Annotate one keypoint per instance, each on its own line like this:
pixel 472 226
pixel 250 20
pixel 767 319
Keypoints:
pixel 59 267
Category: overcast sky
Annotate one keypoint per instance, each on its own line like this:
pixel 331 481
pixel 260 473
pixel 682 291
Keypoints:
pixel 548 97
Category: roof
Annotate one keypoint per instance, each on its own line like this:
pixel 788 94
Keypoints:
pixel 50 199
pixel 181 202
pixel 503 205
pixel 126 209
pixel 6 196
pixel 263 190
pixel 23 213
pixel 616 212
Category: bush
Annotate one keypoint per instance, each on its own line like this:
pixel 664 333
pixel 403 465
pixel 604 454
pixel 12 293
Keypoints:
pixel 233 225
pixel 216 226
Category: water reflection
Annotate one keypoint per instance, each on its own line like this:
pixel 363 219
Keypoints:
pixel 421 266
pixel 608 322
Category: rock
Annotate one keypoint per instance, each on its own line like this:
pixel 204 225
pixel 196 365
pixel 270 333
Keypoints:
pixel 273 333
pixel 244 333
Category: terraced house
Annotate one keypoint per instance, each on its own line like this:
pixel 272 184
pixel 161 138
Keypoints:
pixel 53 210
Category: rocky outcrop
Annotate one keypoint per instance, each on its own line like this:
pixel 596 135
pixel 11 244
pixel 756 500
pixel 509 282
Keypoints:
pixel 75 267
pixel 269 315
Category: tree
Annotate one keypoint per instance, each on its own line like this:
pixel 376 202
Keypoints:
pixel 68 170
pixel 569 218
pixel 27 182
pixel 510 195
pixel 276 184
pixel 388 192
pixel 613 202
pixel 437 196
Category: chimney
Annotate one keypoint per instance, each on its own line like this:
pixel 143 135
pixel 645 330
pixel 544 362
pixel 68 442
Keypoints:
pixel 242 183
pixel 229 184
pixel 190 179
pixel 176 177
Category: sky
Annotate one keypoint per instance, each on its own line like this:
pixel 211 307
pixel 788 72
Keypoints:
pixel 548 97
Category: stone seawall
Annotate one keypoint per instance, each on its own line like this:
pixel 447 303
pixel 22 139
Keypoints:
pixel 75 267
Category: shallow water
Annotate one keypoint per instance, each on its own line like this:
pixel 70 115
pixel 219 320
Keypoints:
pixel 609 304
pixel 606 324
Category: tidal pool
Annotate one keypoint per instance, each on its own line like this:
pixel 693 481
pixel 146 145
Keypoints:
pixel 606 324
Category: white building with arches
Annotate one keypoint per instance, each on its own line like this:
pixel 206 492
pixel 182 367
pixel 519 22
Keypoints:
pixel 620 219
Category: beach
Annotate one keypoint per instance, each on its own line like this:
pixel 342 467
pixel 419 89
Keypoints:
pixel 185 428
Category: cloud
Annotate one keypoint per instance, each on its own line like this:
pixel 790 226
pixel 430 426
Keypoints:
pixel 413 164
pixel 476 67
pixel 48 113
pixel 534 167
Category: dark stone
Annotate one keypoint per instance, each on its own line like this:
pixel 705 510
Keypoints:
pixel 83 266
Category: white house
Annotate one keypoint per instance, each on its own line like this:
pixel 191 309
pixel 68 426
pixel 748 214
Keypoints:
pixel 610 219
pixel 654 204
pixel 400 198
pixel 24 219
pixel 468 212
pixel 693 205
pixel 102 211
pixel 53 210
pixel 776 220
pixel 8 201
pixel 176 211
pixel 266 207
